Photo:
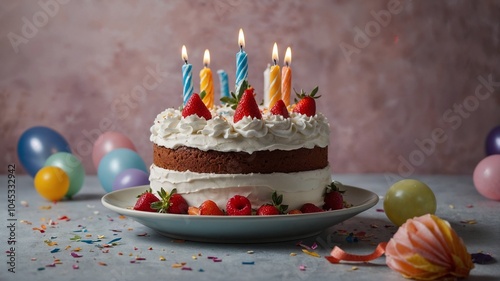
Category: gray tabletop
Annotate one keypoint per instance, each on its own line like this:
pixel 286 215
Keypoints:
pixel 60 241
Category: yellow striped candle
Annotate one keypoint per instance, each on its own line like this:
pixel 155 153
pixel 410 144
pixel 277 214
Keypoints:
pixel 274 79
pixel 206 81
pixel 286 77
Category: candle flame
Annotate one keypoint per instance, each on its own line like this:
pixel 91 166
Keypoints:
pixel 288 56
pixel 275 53
pixel 184 53
pixel 241 39
pixel 206 58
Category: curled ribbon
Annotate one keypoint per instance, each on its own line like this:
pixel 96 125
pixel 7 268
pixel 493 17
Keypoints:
pixel 338 254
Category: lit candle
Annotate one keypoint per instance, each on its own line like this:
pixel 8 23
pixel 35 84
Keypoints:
pixel 206 81
pixel 187 77
pixel 266 84
pixel 224 84
pixel 286 77
pixel 274 79
pixel 241 62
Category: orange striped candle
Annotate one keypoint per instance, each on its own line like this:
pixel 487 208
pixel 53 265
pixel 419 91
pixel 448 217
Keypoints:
pixel 206 81
pixel 286 77
pixel 274 79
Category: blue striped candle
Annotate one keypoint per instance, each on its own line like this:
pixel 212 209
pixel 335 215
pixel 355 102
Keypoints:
pixel 241 62
pixel 187 77
pixel 224 84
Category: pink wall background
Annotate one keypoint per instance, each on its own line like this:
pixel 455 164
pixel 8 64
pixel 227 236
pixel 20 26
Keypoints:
pixel 412 78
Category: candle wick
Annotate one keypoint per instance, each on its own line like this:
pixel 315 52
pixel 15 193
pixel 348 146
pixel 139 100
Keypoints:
pixel 286 64
pixel 275 62
pixel 206 65
pixel 241 48
pixel 186 61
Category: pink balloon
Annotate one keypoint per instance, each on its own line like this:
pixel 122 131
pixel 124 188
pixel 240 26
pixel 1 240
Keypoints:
pixel 487 177
pixel 107 142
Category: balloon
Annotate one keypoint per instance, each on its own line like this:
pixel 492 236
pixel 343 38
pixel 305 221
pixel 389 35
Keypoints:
pixel 116 162
pixel 36 145
pixel 72 167
pixel 51 183
pixel 407 199
pixel 492 144
pixel 108 142
pixel 129 178
pixel 487 177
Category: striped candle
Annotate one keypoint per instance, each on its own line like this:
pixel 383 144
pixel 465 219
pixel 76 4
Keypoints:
pixel 224 84
pixel 206 81
pixel 286 78
pixel 241 62
pixel 266 84
pixel 274 80
pixel 187 77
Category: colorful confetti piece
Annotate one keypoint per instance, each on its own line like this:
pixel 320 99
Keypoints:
pixel 75 255
pixel 312 254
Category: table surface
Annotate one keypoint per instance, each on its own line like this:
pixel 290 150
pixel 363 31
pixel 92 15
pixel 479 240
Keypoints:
pixel 141 252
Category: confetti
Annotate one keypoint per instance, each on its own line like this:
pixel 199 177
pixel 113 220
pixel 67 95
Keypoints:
pixel 482 258
pixel 354 268
pixel 64 218
pixel 469 221
pixel 55 250
pixel 150 248
pixel 178 265
pixel 217 260
pixel 48 207
pixel 122 217
pixel 186 268
pixel 380 210
pixel 26 222
pixel 117 230
pixel 162 258
pixel 451 206
pixel 302 267
pixel 24 203
pixel 250 252
pixel 50 242
pixel 142 234
pixel 194 257
pixel 114 240
pixel 76 266
pixel 75 255
pixel 140 259
pixel 33 259
pixel 51 265
pixel 77 249
pixel 102 263
pixel 247 262
pixel 293 254
pixel 469 206
pixel 312 254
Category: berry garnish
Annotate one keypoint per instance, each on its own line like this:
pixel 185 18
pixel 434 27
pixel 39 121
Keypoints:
pixel 196 106
pixel 267 210
pixel 209 208
pixel 334 200
pixel 238 206
pixel 275 208
pixel 178 204
pixel 294 212
pixel 247 106
pixel 279 108
pixel 310 208
pixel 146 199
pixel 306 104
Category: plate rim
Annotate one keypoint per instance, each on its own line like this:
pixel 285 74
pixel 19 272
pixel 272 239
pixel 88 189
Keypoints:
pixel 371 201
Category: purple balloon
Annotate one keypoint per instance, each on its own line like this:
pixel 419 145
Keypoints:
pixel 493 141
pixel 129 178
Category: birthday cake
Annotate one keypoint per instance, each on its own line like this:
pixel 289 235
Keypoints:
pixel 249 151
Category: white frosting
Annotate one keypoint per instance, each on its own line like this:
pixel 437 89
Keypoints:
pixel 220 133
pixel 297 188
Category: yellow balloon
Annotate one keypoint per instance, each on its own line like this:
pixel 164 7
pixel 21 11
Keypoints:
pixel 52 183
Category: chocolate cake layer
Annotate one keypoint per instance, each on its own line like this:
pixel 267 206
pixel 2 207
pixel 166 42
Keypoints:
pixel 265 162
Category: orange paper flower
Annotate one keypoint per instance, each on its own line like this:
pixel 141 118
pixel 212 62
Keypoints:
pixel 427 248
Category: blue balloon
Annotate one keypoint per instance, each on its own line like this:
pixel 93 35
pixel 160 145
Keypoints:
pixel 36 145
pixel 115 162
pixel 129 178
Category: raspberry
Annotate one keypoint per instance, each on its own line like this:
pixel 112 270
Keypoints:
pixel 238 206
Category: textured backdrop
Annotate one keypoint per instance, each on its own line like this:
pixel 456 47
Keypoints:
pixel 408 86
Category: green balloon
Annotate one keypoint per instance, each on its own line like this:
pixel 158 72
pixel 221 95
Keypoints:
pixel 72 166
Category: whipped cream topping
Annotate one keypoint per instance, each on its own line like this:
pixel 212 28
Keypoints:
pixel 220 133
pixel 296 188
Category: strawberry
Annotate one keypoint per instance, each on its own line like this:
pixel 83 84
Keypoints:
pixel 334 200
pixel 209 208
pixel 145 201
pixel 310 208
pixel 178 204
pixel 238 206
pixel 279 108
pixel 196 106
pixel 306 105
pixel 267 210
pixel 275 208
pixel 170 203
pixel 247 106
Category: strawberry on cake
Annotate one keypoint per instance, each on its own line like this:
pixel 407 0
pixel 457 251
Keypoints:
pixel 215 154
